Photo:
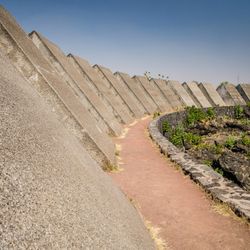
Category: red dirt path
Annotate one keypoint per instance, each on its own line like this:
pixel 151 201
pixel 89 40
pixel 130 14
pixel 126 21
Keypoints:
pixel 171 201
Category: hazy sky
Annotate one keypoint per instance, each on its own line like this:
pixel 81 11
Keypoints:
pixel 203 40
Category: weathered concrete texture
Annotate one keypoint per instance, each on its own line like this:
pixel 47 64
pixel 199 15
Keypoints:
pixel 111 99
pixel 121 89
pixel 181 92
pixel 53 194
pixel 75 80
pixel 230 95
pixel 120 77
pixel 170 95
pixel 29 61
pixel 198 97
pixel 209 91
pixel 153 92
pixel 214 183
pixel 244 90
pixel 139 92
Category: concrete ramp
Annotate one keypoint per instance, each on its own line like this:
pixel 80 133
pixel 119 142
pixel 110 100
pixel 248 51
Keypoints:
pixel 121 90
pixel 146 101
pixel 106 94
pixel 154 92
pixel 53 194
pixel 244 90
pixel 61 98
pixel 76 81
pixel 196 94
pixel 230 95
pixel 182 93
pixel 169 94
pixel 209 91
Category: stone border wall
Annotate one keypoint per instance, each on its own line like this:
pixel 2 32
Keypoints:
pixel 220 188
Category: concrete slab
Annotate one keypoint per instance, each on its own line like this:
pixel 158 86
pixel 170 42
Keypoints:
pixel 39 72
pixel 244 90
pixel 144 98
pixel 196 94
pixel 153 92
pixel 106 94
pixel 53 194
pixel 75 80
pixel 121 89
pixel 170 95
pixel 230 95
pixel 181 92
pixel 209 91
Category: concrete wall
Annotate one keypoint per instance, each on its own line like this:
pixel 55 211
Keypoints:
pixel 41 75
pixel 110 98
pixel 209 91
pixel 53 194
pixel 141 94
pixel 171 97
pixel 196 94
pixel 121 89
pixel 75 80
pixel 185 98
pixel 244 90
pixel 230 95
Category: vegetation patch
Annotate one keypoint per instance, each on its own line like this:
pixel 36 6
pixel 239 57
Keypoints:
pixel 220 142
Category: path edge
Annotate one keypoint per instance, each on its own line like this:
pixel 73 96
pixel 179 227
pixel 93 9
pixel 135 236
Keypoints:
pixel 221 190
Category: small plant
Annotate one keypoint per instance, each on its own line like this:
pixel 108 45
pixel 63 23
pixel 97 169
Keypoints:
pixel 238 111
pixel 194 115
pixel 211 113
pixel 230 142
pixel 177 136
pixel 219 171
pixel 156 114
pixel 217 149
pixel 166 127
pixel 208 163
pixel 192 138
pixel 248 104
pixel 245 139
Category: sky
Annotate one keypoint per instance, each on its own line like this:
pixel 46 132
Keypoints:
pixel 201 40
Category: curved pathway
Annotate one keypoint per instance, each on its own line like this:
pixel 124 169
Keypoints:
pixel 170 200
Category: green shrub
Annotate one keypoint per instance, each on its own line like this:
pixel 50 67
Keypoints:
pixel 211 113
pixel 217 149
pixel 194 115
pixel 230 142
pixel 177 135
pixel 245 139
pixel 166 127
pixel 238 111
pixel 219 171
pixel 208 163
pixel 192 139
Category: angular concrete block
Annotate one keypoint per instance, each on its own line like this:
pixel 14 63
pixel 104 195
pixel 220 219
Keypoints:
pixel 53 194
pixel 120 77
pixel 39 72
pixel 75 80
pixel 108 96
pixel 244 90
pixel 209 91
pixel 153 92
pixel 182 93
pixel 230 95
pixel 170 95
pixel 121 89
pixel 144 98
pixel 196 94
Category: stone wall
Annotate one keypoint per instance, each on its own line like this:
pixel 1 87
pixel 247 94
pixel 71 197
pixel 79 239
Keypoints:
pixel 220 188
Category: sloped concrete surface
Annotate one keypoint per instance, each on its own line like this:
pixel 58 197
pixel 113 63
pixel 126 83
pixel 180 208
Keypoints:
pixel 211 94
pixel 181 92
pixel 61 98
pixel 230 95
pixel 52 194
pixel 244 90
pixel 198 97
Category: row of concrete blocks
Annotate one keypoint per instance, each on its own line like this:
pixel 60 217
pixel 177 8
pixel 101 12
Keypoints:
pixel 92 102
